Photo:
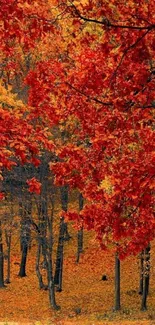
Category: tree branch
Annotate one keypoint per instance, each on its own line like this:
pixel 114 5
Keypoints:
pixel 105 22
pixel 89 97
pixel 126 51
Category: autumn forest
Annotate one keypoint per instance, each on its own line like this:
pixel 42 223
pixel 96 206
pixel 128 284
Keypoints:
pixel 77 162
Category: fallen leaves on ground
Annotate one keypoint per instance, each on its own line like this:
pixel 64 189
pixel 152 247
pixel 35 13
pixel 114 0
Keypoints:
pixel 85 299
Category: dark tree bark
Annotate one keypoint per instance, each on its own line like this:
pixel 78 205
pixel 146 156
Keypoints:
pixel 43 225
pixel 141 272
pixel 39 275
pixel 8 242
pixel 42 207
pixel 51 285
pixel 1 267
pixel 22 271
pixel 148 268
pixel 42 250
pixel 63 236
pixel 146 276
pixel 25 236
pixel 8 234
pixel 64 205
pixel 64 197
pixel 59 257
pixel 117 283
pixel 1 260
pixel 51 282
pixel 80 232
pixel 45 236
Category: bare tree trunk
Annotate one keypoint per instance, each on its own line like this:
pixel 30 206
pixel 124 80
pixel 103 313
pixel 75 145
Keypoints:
pixel 46 233
pixel 39 275
pixel 117 283
pixel 48 259
pixel 80 244
pixel 64 205
pixel 148 268
pixel 80 232
pixel 43 226
pixel 8 242
pixel 51 282
pixel 42 249
pixel 146 276
pixel 8 237
pixel 42 206
pixel 1 260
pixel 141 272
pixel 25 237
pixel 51 285
pixel 59 258
pixel 22 271
pixel 63 236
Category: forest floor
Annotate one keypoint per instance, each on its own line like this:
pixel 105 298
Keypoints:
pixel 85 299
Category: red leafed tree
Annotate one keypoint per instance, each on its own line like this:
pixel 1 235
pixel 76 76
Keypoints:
pixel 22 137
pixel 106 97
pixel 99 95
pixel 110 93
pixel 25 133
pixel 106 85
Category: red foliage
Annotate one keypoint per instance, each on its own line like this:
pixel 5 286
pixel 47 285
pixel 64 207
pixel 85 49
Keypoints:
pixel 102 93
pixel 2 196
pixel 34 185
pixel 110 92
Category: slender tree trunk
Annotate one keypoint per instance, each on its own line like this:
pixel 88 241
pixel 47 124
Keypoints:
pixel 80 232
pixel 8 242
pixel 43 226
pixel 21 214
pixel 64 197
pixel 42 249
pixel 8 236
pixel 43 209
pixel 22 271
pixel 117 283
pixel 1 266
pixel 59 258
pixel 63 236
pixel 141 273
pixel 40 241
pixel 39 275
pixel 1 260
pixel 146 278
pixel 148 268
pixel 51 282
pixel 46 233
pixel 25 237
pixel 64 205
pixel 80 244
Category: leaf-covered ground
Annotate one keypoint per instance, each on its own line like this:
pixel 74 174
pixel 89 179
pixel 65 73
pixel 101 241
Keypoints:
pixel 85 299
